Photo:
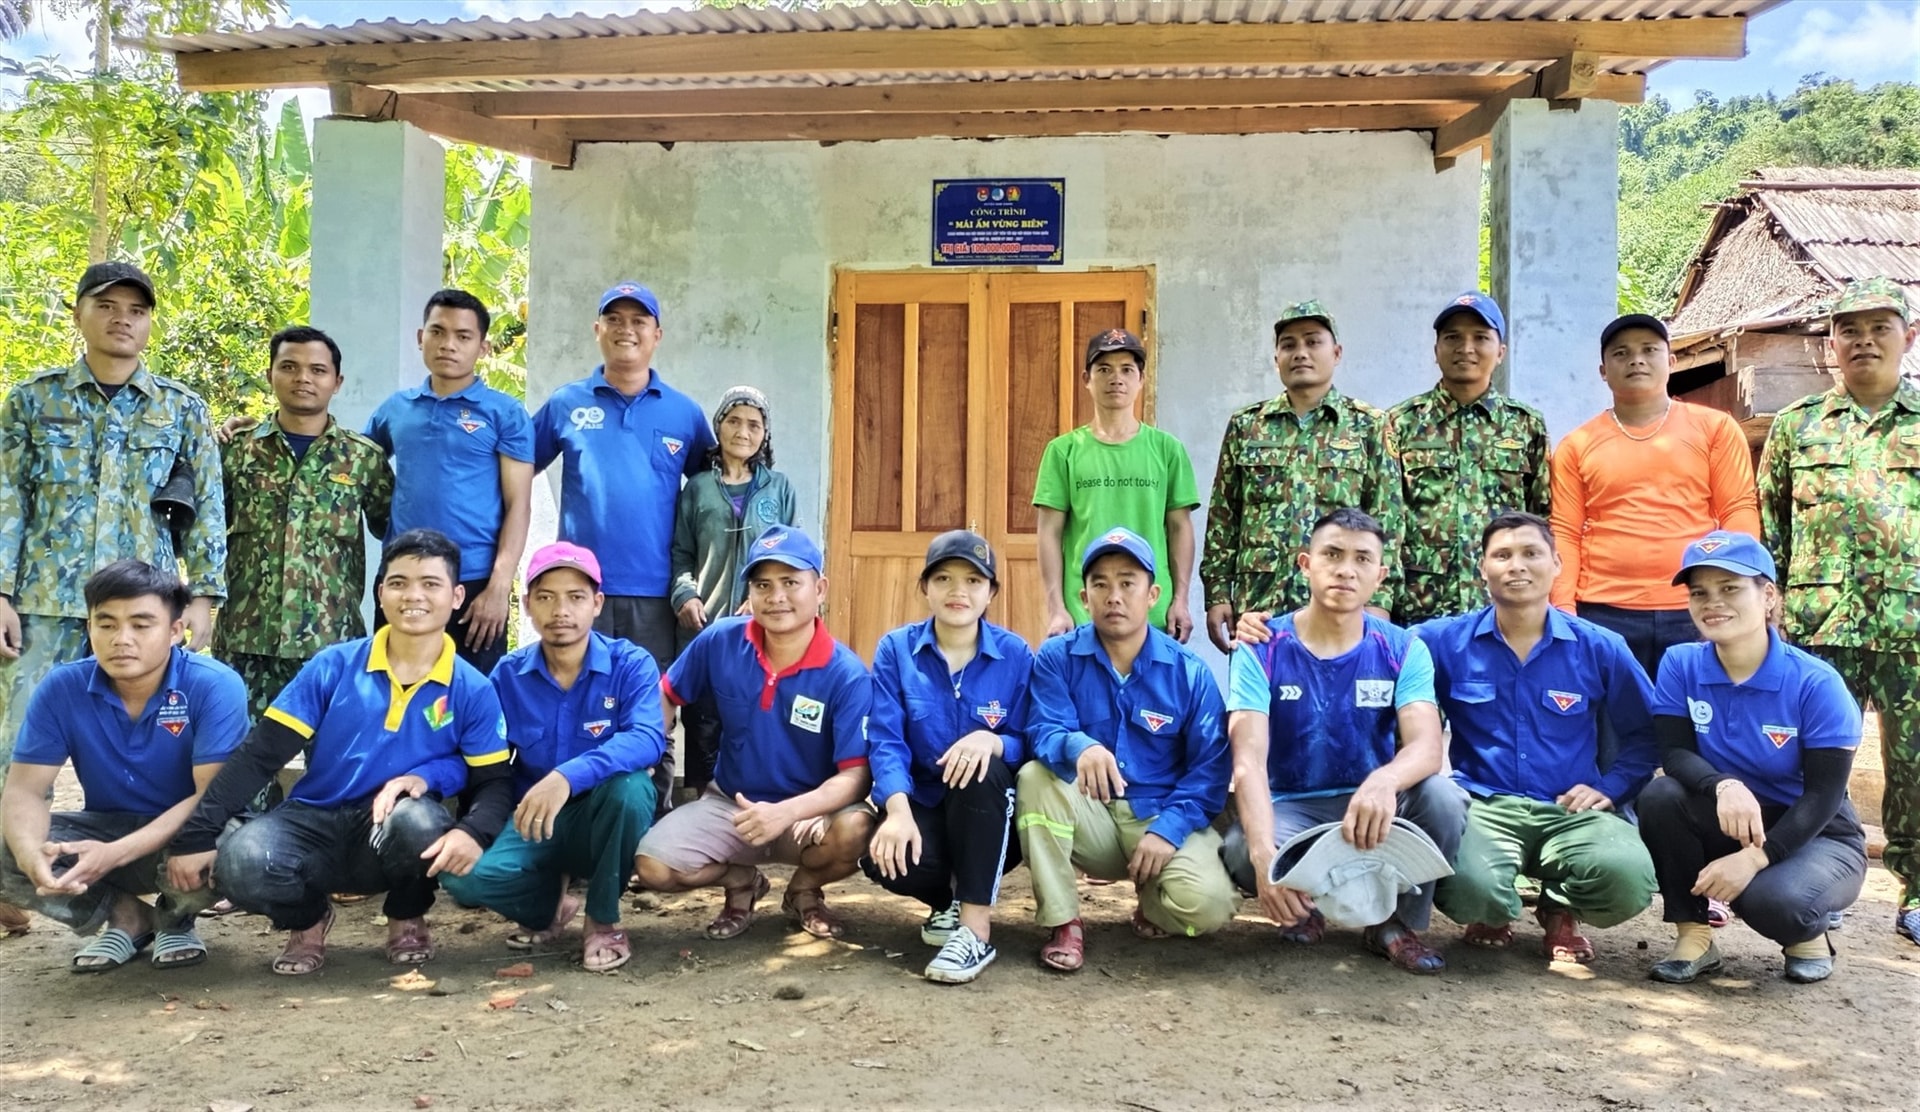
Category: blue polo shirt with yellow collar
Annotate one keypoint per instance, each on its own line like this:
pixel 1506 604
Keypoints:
pixel 783 732
pixel 1164 722
pixel 446 464
pixel 607 723
pixel 920 708
pixel 139 766
pixel 364 728
pixel 625 459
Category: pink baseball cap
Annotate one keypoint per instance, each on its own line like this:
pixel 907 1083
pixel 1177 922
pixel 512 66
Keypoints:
pixel 561 554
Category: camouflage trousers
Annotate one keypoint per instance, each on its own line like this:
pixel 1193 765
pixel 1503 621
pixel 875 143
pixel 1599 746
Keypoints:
pixel 46 642
pixel 1891 682
pixel 265 677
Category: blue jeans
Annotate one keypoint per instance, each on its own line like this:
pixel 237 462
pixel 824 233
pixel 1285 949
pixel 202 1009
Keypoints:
pixel 285 863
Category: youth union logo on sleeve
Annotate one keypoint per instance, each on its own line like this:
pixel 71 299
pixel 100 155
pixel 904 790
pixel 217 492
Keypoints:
pixel 1780 735
pixel 808 714
pixel 1373 693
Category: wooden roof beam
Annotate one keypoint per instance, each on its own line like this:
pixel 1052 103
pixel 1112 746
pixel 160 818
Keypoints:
pixel 998 48
pixel 1015 96
pixel 545 140
pixel 1575 76
pixel 1007 125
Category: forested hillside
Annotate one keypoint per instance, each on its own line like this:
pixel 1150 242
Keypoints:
pixel 1676 161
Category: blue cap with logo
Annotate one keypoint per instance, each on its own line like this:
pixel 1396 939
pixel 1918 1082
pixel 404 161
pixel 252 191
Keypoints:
pixel 1119 539
pixel 1734 552
pixel 784 544
pixel 634 292
pixel 1480 305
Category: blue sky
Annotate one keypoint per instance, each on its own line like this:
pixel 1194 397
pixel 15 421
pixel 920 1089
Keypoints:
pixel 1865 40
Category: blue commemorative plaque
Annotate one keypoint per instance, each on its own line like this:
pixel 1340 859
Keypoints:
pixel 999 221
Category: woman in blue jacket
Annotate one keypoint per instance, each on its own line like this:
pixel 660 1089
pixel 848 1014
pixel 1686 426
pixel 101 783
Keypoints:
pixel 946 733
pixel 1758 740
pixel 721 511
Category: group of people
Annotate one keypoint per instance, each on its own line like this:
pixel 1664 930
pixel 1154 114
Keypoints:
pixel 1455 665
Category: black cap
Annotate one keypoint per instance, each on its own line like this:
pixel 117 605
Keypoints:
pixel 1114 339
pixel 962 544
pixel 100 276
pixel 1632 320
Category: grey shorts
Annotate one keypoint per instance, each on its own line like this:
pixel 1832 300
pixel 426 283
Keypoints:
pixel 701 833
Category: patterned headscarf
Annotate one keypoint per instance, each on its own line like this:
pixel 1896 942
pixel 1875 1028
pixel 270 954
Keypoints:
pixel 746 395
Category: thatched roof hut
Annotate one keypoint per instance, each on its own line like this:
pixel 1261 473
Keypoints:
pixel 1749 325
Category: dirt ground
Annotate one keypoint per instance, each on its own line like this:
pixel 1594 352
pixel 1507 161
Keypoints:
pixel 776 1019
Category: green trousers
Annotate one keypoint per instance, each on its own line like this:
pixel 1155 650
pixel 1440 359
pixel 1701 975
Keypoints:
pixel 594 837
pixel 1591 863
pixel 47 642
pixel 1891 682
pixel 1061 830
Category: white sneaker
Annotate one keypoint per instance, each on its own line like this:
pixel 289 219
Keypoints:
pixel 940 925
pixel 961 959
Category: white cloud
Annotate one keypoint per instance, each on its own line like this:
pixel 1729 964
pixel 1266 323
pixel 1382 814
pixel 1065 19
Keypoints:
pixel 1865 42
pixel 63 40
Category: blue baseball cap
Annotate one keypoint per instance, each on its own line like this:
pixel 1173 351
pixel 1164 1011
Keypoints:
pixel 1119 539
pixel 1734 552
pixel 634 292
pixel 1480 305
pixel 784 544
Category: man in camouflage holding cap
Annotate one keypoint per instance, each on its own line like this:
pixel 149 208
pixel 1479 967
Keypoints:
pixel 1840 510
pixel 84 451
pixel 1285 463
pixel 1467 453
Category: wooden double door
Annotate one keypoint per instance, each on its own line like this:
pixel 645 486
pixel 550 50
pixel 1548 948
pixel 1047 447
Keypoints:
pixel 947 387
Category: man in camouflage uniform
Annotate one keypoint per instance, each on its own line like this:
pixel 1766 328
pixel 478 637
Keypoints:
pixel 1840 509
pixel 1467 453
pixel 84 451
pixel 299 487
pixel 1285 463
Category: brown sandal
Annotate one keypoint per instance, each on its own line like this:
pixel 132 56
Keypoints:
pixel 524 939
pixel 412 946
pixel 732 922
pixel 605 949
pixel 1488 936
pixel 298 959
pixel 1066 948
pixel 816 918
pixel 1404 949
pixel 13 922
pixel 1144 927
pixel 1564 942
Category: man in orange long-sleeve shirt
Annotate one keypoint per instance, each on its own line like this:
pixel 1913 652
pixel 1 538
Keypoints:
pixel 1634 485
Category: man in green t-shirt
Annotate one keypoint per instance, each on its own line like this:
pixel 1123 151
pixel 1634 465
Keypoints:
pixel 1116 470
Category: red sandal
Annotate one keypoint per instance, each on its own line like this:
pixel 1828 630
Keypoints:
pixel 1488 936
pixel 1564 942
pixel 1066 948
pixel 1404 949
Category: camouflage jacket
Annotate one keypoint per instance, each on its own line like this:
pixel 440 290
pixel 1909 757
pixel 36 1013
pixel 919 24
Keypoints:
pixel 78 472
pixel 1840 511
pixel 298 564
pixel 1461 465
pixel 1278 474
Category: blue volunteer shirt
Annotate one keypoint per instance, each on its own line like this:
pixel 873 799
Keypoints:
pixel 920 708
pixel 608 723
pixel 138 766
pixel 782 733
pixel 1330 723
pixel 1757 730
pixel 625 458
pixel 446 464
pixel 1164 724
pixel 364 728
pixel 1532 728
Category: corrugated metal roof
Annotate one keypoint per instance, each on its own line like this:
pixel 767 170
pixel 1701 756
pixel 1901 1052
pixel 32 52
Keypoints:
pixel 1006 13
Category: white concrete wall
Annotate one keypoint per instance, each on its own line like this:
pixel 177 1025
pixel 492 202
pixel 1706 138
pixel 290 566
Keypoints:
pixel 739 241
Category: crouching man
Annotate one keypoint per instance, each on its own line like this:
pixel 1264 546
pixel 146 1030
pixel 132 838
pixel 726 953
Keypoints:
pixel 147 725
pixel 396 722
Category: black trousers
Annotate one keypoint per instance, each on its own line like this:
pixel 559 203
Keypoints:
pixel 648 622
pixel 700 729
pixel 1787 901
pixel 85 911
pixel 284 864
pixel 966 845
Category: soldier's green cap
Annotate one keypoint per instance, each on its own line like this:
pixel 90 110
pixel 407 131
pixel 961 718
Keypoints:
pixel 1305 310
pixel 1869 294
